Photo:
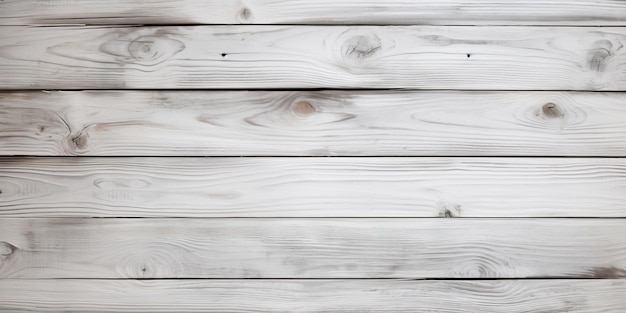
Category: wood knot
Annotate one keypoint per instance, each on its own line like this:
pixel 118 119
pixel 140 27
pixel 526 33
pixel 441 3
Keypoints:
pixel 361 47
pixel 599 55
pixel 244 14
pixel 80 141
pixel 551 110
pixel 154 50
pixel 448 210
pixel 304 108
pixel 144 50
pixel 6 249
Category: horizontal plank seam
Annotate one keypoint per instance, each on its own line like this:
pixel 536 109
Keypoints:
pixel 348 89
pixel 547 278
pixel 325 217
pixel 310 24
pixel 200 156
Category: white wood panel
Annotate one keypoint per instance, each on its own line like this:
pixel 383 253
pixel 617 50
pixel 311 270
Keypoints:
pixel 326 123
pixel 178 296
pixel 440 12
pixel 312 187
pixel 494 58
pixel 312 248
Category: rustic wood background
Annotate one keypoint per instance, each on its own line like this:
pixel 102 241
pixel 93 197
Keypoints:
pixel 312 156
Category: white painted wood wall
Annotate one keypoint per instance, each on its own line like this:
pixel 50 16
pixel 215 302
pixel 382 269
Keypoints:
pixel 312 156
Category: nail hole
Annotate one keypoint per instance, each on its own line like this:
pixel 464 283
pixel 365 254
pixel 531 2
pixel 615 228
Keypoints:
pixel 224 55
pixel 468 55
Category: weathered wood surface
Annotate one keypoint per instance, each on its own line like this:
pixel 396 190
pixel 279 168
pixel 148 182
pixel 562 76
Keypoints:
pixel 312 187
pixel 178 296
pixel 319 123
pixel 449 12
pixel 424 57
pixel 312 248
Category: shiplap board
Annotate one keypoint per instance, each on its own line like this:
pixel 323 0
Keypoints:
pixel 178 296
pixel 242 57
pixel 449 12
pixel 312 248
pixel 312 187
pixel 318 123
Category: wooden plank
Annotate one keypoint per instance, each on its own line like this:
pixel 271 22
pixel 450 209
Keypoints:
pixel 494 58
pixel 324 123
pixel 312 248
pixel 312 187
pixel 312 296
pixel 451 12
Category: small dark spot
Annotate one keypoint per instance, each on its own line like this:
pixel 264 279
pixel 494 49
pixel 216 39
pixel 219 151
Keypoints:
pixel 224 55
pixel 597 60
pixel 392 269
pixel 245 14
pixel 80 141
pixel 30 236
pixel 468 55
pixel 599 55
pixel 551 110
pixel 304 108
pixel 0 191
pixel 450 210
pixel 42 129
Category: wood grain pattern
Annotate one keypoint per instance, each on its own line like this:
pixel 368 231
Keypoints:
pixel 318 123
pixel 312 248
pixel 449 12
pixel 493 58
pixel 179 296
pixel 312 187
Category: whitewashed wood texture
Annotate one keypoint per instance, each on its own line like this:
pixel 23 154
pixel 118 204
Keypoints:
pixel 312 248
pixel 440 12
pixel 243 57
pixel 312 187
pixel 313 123
pixel 178 296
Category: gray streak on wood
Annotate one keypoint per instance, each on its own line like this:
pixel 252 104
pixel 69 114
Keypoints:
pixel 243 57
pixel 319 123
pixel 312 187
pixel 312 248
